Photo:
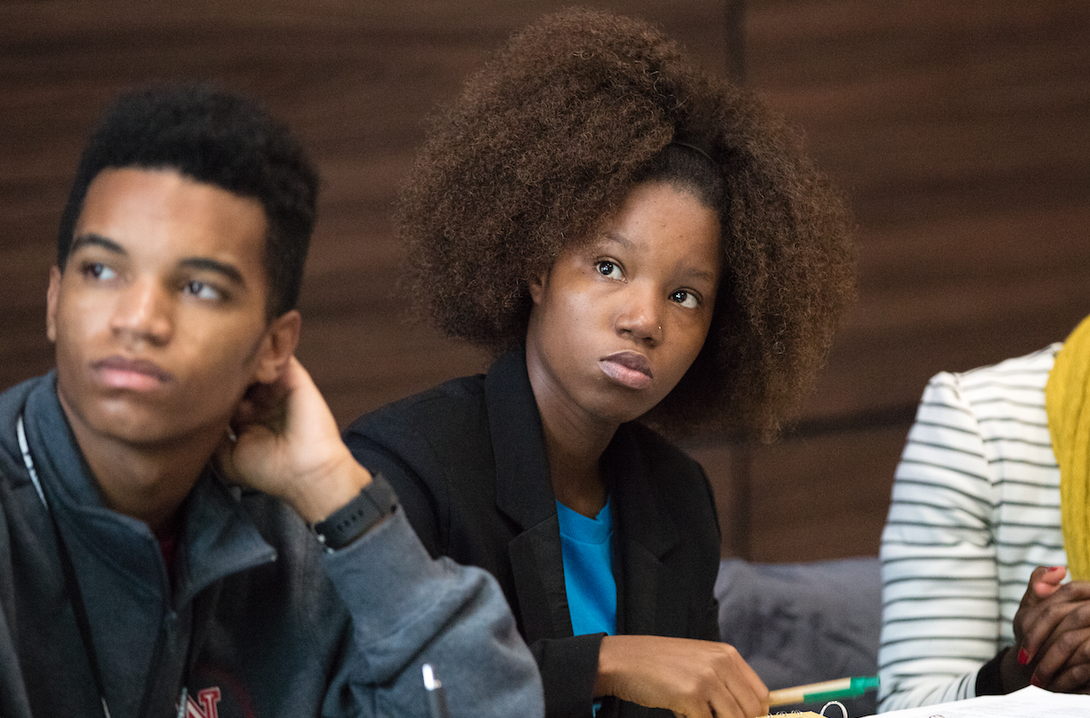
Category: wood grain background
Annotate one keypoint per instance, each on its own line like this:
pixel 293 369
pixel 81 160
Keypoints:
pixel 958 129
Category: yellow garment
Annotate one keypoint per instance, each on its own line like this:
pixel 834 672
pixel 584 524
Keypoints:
pixel 1067 401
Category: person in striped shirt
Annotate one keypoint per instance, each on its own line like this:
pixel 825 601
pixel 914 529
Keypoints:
pixel 974 552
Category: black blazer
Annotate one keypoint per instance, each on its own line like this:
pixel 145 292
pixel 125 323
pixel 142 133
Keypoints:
pixel 468 462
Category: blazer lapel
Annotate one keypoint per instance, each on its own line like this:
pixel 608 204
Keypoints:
pixel 524 494
pixel 643 535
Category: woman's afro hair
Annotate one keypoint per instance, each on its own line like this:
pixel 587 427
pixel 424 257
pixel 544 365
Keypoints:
pixel 546 141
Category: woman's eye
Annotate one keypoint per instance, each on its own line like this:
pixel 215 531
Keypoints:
pixel 607 269
pixel 202 291
pixel 685 298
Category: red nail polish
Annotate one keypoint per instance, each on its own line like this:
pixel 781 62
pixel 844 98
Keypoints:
pixel 1023 657
pixel 1035 681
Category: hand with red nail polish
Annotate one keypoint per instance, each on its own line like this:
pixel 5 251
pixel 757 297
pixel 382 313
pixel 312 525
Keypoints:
pixel 1052 631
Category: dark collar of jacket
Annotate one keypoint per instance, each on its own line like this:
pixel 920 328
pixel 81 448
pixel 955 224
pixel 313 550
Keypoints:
pixel 218 535
pixel 142 626
pixel 642 534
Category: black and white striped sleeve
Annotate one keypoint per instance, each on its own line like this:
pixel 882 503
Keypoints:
pixel 975 507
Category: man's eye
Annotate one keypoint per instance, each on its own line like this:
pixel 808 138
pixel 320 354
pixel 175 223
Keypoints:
pixel 98 270
pixel 202 291
pixel 607 269
pixel 685 298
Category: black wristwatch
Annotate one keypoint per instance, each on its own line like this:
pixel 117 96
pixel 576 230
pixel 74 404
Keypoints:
pixel 372 504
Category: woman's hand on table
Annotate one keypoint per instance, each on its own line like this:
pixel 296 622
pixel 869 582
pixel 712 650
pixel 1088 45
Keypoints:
pixel 695 679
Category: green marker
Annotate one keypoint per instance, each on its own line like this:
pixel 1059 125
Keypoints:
pixel 826 691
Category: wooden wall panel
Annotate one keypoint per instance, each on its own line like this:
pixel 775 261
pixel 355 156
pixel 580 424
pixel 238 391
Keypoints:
pixel 961 132
pixel 958 129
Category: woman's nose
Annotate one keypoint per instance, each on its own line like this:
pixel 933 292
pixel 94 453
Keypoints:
pixel 640 315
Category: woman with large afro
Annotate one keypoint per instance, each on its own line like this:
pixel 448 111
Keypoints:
pixel 648 253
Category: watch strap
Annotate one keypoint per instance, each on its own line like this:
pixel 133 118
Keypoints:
pixel 371 505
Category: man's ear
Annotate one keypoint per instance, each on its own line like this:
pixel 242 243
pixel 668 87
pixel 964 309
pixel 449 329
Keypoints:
pixel 51 295
pixel 278 346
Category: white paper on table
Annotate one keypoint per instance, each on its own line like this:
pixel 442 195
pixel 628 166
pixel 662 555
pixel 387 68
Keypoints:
pixel 1030 702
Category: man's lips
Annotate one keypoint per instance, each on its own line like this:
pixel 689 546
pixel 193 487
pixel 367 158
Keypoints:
pixel 139 374
pixel 627 368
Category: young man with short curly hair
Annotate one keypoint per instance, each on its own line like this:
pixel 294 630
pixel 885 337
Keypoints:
pixel 156 487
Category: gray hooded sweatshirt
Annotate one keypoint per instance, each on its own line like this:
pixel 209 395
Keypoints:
pixel 258 620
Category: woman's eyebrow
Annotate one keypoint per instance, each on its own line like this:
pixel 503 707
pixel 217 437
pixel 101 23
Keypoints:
pixel 689 273
pixel 613 236
pixel 700 273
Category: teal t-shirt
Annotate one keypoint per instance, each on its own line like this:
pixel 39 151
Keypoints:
pixel 586 546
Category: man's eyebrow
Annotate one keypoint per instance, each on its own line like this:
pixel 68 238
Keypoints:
pixel 95 240
pixel 229 271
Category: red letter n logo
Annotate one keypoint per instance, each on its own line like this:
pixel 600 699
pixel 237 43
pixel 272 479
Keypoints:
pixel 206 705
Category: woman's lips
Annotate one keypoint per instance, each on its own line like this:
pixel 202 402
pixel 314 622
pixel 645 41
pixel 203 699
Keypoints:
pixel 135 374
pixel 627 368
